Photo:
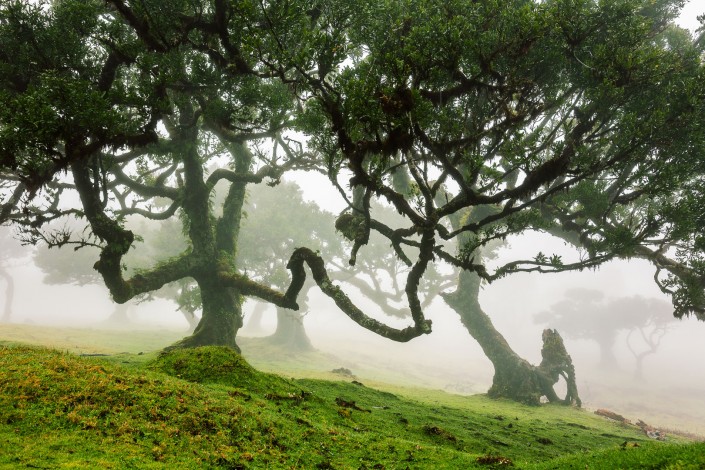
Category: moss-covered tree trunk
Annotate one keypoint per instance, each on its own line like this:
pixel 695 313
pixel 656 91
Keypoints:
pixel 514 377
pixel 214 241
pixel 221 319
pixel 212 230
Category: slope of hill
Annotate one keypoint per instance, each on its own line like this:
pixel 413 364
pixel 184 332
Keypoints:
pixel 208 408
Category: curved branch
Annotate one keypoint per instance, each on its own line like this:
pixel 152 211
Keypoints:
pixel 315 262
pixel 118 241
pixel 145 190
pixel 228 134
pixel 662 261
pixel 234 177
pixel 148 214
pixel 152 280
pixel 140 26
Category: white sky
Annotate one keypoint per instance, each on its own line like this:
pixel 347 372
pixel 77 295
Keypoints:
pixel 690 12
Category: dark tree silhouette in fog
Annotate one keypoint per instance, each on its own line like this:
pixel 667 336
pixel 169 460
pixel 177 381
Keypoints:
pixel 586 314
pixel 11 252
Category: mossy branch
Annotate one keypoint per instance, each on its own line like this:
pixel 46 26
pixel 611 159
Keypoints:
pixel 320 275
pixel 152 280
pixel 234 177
pixel 249 287
pixel 118 241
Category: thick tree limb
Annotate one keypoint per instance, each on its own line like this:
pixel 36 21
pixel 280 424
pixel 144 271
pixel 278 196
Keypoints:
pixel 317 266
pixel 249 287
pixel 145 190
pixel 235 177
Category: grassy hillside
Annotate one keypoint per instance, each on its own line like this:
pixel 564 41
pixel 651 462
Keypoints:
pixel 208 408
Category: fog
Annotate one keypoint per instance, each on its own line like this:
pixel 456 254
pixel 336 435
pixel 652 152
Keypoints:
pixel 668 393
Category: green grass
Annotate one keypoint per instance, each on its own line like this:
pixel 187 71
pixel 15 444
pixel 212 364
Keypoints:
pixel 208 408
pixel 672 457
pixel 89 340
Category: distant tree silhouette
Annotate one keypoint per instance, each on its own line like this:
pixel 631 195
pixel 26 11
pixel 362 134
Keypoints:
pixel 12 251
pixel 586 314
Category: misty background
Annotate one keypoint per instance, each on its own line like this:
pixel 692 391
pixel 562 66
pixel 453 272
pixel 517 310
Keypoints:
pixel 667 392
pixel 670 390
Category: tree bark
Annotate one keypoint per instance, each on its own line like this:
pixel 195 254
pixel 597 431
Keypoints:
pixel 9 294
pixel 214 244
pixel 514 377
pixel 221 318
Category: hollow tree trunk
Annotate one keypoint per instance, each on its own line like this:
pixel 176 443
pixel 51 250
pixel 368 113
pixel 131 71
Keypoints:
pixel 9 294
pixel 290 333
pixel 514 377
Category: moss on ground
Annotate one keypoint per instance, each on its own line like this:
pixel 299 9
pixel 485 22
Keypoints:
pixel 207 408
pixel 216 365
